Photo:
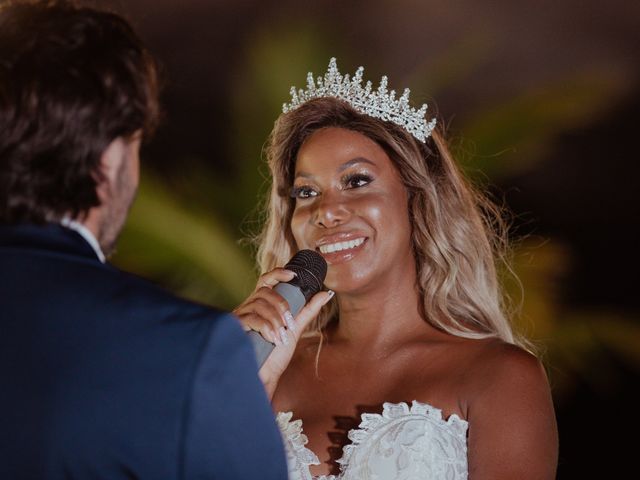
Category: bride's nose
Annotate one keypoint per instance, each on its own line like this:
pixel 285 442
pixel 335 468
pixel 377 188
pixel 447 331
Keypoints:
pixel 331 210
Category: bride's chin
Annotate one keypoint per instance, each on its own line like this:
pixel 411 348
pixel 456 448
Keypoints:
pixel 336 287
pixel 344 286
pixel 349 279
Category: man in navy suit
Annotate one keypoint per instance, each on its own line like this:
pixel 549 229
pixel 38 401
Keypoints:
pixel 102 375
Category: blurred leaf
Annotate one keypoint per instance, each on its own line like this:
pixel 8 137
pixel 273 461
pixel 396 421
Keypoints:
pixel 277 59
pixel 575 345
pixel 510 137
pixel 183 248
pixel 452 67
pixel 538 266
pixel 620 334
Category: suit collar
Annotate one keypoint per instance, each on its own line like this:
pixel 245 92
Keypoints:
pixel 48 237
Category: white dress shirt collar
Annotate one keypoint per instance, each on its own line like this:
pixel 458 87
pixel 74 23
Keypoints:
pixel 86 234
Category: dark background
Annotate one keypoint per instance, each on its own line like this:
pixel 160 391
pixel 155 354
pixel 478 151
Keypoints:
pixel 541 103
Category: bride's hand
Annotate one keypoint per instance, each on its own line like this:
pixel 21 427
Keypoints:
pixel 267 312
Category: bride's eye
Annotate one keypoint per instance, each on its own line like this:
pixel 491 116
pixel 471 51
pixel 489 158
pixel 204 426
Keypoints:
pixel 303 191
pixel 357 180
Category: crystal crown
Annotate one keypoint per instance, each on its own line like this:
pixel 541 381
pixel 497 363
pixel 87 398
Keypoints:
pixel 379 103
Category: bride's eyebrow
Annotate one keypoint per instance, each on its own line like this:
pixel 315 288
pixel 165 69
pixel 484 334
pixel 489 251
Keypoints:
pixel 341 168
pixel 354 161
pixel 302 175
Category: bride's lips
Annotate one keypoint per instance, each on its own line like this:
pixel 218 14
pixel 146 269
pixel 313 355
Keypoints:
pixel 341 247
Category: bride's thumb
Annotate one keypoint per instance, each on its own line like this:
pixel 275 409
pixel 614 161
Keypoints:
pixel 311 310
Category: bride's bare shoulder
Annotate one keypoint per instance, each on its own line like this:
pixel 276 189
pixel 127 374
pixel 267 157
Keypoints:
pixel 510 408
pixel 497 358
pixel 491 362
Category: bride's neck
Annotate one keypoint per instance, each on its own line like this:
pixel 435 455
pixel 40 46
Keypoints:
pixel 381 318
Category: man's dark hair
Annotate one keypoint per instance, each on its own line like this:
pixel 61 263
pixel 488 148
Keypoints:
pixel 72 79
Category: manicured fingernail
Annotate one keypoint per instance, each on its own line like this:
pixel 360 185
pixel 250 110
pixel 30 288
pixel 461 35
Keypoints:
pixel 283 336
pixel 274 338
pixel 331 294
pixel 288 318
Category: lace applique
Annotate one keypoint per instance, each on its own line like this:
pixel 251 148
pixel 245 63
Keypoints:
pixel 402 443
pixel 299 457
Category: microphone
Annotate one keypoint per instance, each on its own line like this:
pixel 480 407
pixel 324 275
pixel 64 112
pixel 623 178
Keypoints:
pixel 310 269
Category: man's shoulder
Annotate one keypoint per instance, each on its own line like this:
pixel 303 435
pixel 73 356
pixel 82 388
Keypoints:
pixel 137 292
pixel 52 269
pixel 134 285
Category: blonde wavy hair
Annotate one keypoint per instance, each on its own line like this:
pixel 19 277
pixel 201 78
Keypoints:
pixel 458 234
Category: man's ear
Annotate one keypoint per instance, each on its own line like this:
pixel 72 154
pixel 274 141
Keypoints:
pixel 110 163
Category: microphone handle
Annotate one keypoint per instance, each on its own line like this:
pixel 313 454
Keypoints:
pixel 296 300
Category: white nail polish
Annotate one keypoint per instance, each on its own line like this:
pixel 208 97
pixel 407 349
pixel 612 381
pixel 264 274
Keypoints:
pixel 331 294
pixel 288 318
pixel 283 336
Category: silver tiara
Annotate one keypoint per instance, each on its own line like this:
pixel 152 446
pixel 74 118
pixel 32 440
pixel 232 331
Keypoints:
pixel 380 103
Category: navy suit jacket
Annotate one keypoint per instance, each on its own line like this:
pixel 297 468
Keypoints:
pixel 105 376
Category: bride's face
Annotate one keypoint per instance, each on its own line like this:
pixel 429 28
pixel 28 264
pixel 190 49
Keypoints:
pixel 351 207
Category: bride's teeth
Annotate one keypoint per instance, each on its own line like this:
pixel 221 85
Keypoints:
pixel 339 246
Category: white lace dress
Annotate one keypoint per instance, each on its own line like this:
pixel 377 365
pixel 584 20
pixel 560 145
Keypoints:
pixel 404 443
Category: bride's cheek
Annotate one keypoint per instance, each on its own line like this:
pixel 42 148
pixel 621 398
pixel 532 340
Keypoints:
pixel 297 227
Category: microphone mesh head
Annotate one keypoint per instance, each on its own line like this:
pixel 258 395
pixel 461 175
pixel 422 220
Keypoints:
pixel 311 269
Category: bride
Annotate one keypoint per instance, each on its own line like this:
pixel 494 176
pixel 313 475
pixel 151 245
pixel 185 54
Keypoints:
pixel 411 369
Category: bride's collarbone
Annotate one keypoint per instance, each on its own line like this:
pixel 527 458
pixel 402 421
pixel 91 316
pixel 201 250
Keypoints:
pixel 343 387
pixel 342 392
pixel 335 369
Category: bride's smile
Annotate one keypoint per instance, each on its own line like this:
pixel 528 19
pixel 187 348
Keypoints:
pixel 326 245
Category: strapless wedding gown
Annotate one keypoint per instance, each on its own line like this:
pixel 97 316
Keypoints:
pixel 403 443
